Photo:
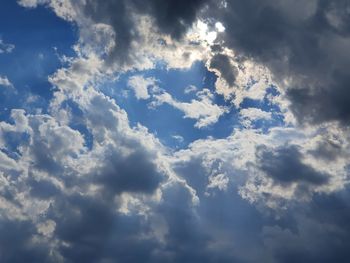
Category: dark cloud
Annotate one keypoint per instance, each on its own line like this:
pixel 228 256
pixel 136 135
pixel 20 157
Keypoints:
pixel 95 232
pixel 285 166
pixel 223 65
pixel 305 41
pixel 133 173
pixel 171 17
pixel 17 244
pixel 115 14
pixel 321 232
pixel 328 150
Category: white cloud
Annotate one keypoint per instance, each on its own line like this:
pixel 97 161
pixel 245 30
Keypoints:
pixel 249 115
pixel 178 138
pixel 203 109
pixel 235 158
pixel 4 81
pixel 190 89
pixel 219 26
pixel 219 181
pixel 254 114
pixel 140 86
pixel 6 48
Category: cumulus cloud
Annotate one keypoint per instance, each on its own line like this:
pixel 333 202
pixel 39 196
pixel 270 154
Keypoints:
pixel 111 191
pixel 223 65
pixel 60 174
pixel 250 115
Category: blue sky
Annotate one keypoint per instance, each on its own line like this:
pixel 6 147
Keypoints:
pixel 215 133
pixel 36 54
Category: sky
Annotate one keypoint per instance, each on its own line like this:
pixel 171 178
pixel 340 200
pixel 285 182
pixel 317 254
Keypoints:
pixel 174 131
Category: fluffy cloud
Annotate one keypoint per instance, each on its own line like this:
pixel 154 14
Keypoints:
pixel 140 86
pixel 80 183
pixel 250 115
pixel 4 81
pixel 62 174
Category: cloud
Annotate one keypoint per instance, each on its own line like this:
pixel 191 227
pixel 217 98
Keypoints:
pixel 62 196
pixel 223 65
pixel 300 42
pixel 169 18
pixel 250 115
pixel 6 48
pixel 284 166
pixel 303 46
pixel 31 3
pixel 203 110
pixel 4 81
pixel 190 89
pixel 140 86
pixel 17 244
pixel 302 244
pixel 111 191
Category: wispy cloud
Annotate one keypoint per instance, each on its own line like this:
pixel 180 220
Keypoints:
pixel 6 48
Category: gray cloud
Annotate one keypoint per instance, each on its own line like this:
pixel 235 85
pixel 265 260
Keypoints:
pixel 284 165
pixel 328 150
pixel 223 65
pixel 17 244
pixel 133 173
pixel 319 233
pixel 96 233
pixel 170 17
pixel 42 189
pixel 304 41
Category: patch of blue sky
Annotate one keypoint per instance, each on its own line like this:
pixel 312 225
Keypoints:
pixel 167 122
pixel 38 35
